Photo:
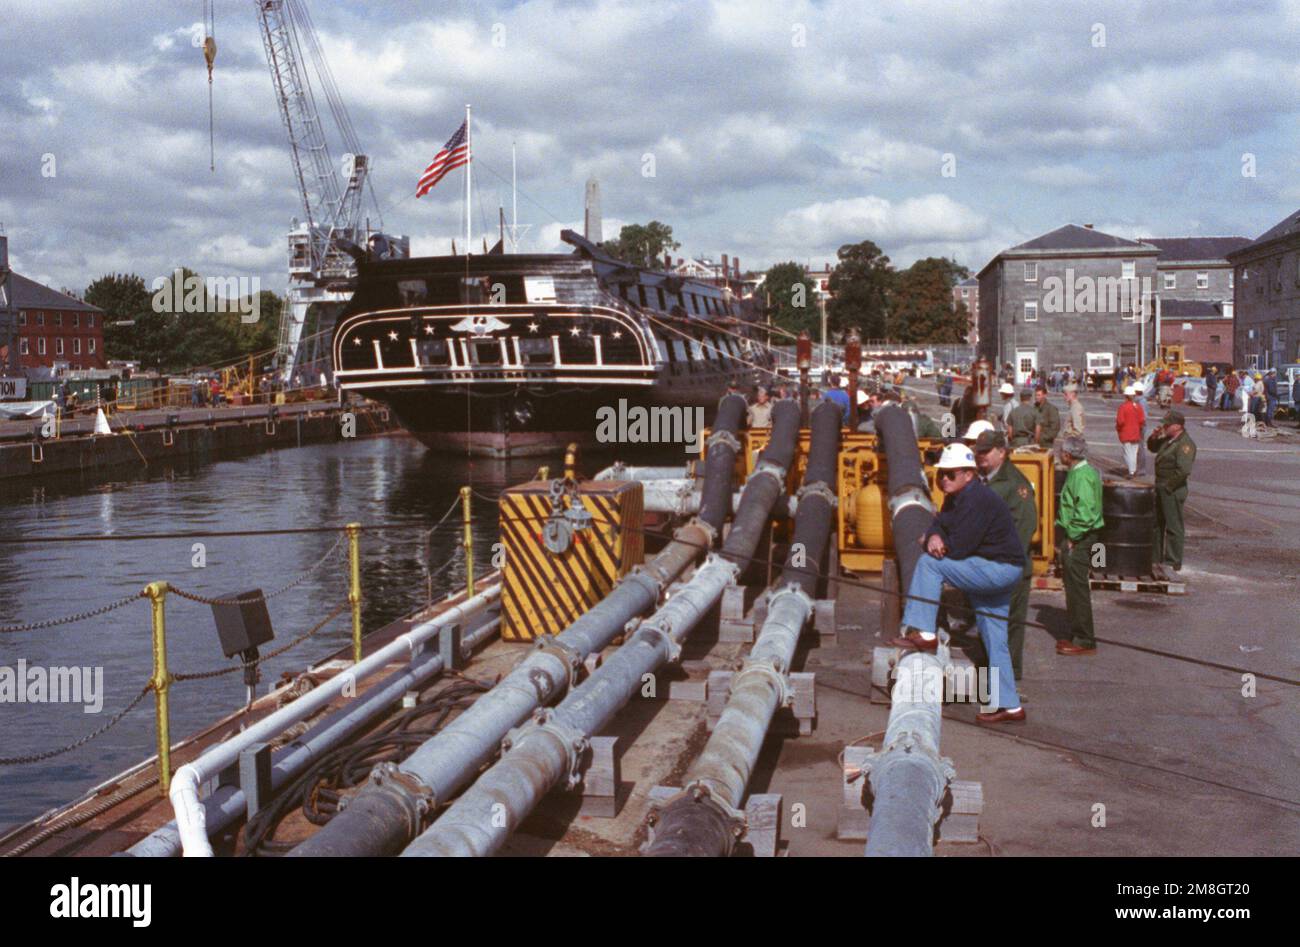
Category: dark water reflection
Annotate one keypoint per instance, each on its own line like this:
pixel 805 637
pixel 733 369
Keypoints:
pixel 390 481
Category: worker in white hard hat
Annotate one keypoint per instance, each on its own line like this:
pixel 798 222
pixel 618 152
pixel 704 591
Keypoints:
pixel 1008 393
pixel 972 545
pixel 976 429
pixel 1130 424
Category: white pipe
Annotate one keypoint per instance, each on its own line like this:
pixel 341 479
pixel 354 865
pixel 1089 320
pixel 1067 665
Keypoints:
pixel 191 817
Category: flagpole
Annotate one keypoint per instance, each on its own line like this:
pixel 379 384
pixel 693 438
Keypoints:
pixel 469 164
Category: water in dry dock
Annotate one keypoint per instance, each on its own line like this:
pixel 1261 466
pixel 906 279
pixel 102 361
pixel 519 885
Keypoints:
pixel 387 480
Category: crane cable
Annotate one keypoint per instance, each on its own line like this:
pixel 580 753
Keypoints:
pixel 210 55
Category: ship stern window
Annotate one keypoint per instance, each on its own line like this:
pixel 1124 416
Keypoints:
pixel 487 353
pixel 536 351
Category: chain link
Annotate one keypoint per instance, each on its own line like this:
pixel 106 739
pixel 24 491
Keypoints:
pixel 205 675
pixel 204 600
pixel 38 757
pixel 80 616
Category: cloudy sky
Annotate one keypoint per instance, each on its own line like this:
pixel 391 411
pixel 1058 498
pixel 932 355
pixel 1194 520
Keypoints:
pixel 779 129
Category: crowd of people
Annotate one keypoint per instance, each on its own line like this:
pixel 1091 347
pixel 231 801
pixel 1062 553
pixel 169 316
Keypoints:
pixel 979 541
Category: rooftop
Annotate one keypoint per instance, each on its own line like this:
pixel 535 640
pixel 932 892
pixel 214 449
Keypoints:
pixel 29 294
pixel 1179 249
pixel 1074 237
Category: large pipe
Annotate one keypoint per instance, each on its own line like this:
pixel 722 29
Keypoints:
pixel 389 811
pixel 911 510
pixel 191 815
pixel 909 778
pixel 227 804
pixel 703 819
pixel 547 751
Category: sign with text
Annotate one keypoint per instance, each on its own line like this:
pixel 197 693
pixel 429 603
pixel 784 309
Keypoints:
pixel 13 389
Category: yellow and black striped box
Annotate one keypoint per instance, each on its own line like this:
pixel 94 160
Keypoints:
pixel 544 592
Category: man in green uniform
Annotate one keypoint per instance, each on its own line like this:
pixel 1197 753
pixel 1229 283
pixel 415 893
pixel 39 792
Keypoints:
pixel 1023 422
pixel 1006 480
pixel 1049 419
pixel 1080 518
pixel 1175 454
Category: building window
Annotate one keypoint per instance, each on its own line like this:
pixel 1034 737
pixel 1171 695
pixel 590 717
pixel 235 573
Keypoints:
pixel 76 346
pixel 1128 269
pixel 1031 272
pixel 1203 280
pixel 1171 281
pixel 22 317
pixel 23 347
pixel 40 318
pixel 1031 312
pixel 91 346
pixel 1227 308
pixel 90 320
pixel 40 345
pixel 965 294
pixel 1232 278
pixel 76 320
pixel 1215 340
pixel 58 319
pixel 58 346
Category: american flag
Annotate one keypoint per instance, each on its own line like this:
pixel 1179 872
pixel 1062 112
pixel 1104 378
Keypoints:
pixel 454 154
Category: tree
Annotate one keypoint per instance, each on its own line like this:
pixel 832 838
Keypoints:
pixel 789 295
pixel 860 285
pixel 642 245
pixel 920 305
pixel 124 299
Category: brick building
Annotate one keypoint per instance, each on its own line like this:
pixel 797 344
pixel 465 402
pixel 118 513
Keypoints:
pixel 53 327
pixel 1194 281
pixel 1065 295
pixel 1266 294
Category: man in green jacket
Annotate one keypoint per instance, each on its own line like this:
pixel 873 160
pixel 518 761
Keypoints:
pixel 1023 423
pixel 1006 480
pixel 1049 419
pixel 1080 518
pixel 1175 454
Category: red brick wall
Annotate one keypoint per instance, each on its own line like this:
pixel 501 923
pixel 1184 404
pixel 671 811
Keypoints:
pixel 84 327
pixel 1200 340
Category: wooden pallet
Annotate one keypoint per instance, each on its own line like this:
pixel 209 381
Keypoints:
pixel 1116 583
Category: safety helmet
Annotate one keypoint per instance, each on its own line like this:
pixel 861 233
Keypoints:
pixel 1130 390
pixel 1006 388
pixel 956 457
pixel 976 429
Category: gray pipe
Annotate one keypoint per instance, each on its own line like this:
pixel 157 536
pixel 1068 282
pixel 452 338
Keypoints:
pixel 720 462
pixel 719 777
pixel 910 507
pixel 226 805
pixel 547 751
pixel 390 810
pixel 908 778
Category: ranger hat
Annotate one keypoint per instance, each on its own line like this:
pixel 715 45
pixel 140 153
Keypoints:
pixel 956 457
pixel 1173 417
pixel 989 440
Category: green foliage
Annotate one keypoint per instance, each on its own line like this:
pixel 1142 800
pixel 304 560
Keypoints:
pixel 180 325
pixel 788 292
pixel 921 308
pixel 642 244
pixel 859 286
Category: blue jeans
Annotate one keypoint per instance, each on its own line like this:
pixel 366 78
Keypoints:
pixel 988 585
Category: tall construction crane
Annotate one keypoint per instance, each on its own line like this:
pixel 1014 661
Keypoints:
pixel 332 194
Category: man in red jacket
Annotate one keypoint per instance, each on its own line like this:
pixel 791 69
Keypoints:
pixel 1129 422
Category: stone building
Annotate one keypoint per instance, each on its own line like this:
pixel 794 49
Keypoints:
pixel 1266 294
pixel 1194 281
pixel 968 292
pixel 1074 296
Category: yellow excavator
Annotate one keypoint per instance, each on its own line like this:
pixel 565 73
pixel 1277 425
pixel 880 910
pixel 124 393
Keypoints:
pixel 1173 358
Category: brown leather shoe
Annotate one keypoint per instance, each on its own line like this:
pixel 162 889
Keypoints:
pixel 914 641
pixel 1069 647
pixel 1001 716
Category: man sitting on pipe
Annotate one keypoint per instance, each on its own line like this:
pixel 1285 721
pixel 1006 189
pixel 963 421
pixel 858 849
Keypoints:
pixel 972 545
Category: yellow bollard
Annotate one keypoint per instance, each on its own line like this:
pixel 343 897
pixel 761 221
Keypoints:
pixel 571 463
pixel 157 592
pixel 354 585
pixel 468 542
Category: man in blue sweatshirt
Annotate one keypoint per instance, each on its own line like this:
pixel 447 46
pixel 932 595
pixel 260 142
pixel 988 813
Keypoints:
pixel 973 545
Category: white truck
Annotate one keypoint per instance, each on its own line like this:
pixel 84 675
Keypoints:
pixel 1099 369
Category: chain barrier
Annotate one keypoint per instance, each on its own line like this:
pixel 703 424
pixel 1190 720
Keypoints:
pixel 48 754
pixel 70 619
pixel 206 675
pixel 204 600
